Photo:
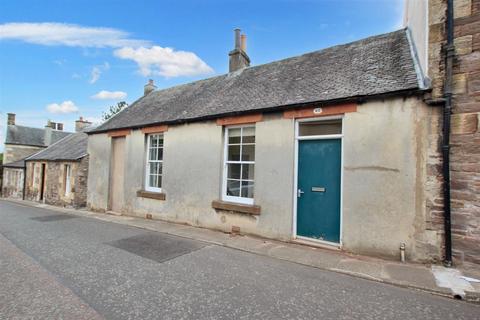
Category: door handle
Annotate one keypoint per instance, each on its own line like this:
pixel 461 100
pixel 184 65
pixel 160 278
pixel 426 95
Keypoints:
pixel 299 193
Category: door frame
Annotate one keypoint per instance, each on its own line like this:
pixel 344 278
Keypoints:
pixel 111 171
pixel 43 169
pixel 295 182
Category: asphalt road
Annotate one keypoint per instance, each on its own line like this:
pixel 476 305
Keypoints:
pixel 58 266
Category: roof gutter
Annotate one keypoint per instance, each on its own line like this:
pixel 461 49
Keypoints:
pixel 356 99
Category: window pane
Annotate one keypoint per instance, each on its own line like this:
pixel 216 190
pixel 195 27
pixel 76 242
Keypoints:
pixel 233 171
pixel 247 189
pixel 159 182
pixel 248 135
pixel 234 135
pixel 155 167
pixel 152 154
pixel 247 171
pixel 248 152
pixel 152 180
pixel 153 142
pixel 234 153
pixel 155 181
pixel 233 188
pixel 160 154
pixel 320 128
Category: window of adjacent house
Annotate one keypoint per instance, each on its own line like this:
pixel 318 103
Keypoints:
pixel 153 178
pixel 238 184
pixel 67 175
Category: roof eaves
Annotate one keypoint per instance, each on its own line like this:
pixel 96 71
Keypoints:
pixel 358 99
pixel 25 144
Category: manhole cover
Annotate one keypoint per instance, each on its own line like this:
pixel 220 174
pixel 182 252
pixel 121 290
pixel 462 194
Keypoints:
pixel 55 217
pixel 157 247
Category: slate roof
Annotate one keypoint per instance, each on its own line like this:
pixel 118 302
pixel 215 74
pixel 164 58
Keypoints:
pixel 372 66
pixel 16 164
pixel 72 147
pixel 31 136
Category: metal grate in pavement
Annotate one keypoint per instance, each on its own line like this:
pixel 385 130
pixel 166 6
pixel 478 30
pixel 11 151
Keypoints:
pixel 157 247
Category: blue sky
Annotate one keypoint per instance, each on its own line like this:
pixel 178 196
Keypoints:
pixel 63 59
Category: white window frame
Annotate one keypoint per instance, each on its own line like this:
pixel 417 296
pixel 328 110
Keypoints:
pixel 147 163
pixel 68 173
pixel 226 197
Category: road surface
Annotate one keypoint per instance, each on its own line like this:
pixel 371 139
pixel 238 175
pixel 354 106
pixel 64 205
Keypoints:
pixel 62 266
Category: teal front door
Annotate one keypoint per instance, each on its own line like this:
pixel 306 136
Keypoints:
pixel 318 194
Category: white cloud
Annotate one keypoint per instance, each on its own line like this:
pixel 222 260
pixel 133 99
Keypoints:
pixel 109 95
pixel 95 75
pixel 72 35
pixel 64 107
pixel 97 71
pixel 164 61
pixel 60 62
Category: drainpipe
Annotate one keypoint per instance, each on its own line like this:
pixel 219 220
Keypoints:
pixel 447 110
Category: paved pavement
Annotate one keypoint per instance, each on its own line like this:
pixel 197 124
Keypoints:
pixel 57 266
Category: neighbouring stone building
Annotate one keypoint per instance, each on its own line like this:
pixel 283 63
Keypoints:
pixel 21 142
pixel 58 174
pixel 13 178
pixel 427 20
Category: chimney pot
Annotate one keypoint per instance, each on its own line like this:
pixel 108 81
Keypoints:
pixel 237 38
pixel 243 43
pixel 11 119
pixel 149 87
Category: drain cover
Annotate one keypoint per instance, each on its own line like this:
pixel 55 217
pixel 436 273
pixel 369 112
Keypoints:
pixel 54 217
pixel 157 247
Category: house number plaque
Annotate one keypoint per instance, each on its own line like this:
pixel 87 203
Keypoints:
pixel 317 110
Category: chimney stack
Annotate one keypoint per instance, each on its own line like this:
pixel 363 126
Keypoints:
pixel 238 56
pixel 81 124
pixel 149 88
pixel 47 139
pixel 11 119
pixel 60 126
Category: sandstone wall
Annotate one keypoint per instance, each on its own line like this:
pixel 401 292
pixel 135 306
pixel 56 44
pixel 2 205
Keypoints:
pixel 465 135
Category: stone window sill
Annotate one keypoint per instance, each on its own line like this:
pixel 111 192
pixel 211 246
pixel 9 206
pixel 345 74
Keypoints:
pixel 236 207
pixel 151 195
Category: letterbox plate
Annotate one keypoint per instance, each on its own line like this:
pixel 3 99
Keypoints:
pixel 318 189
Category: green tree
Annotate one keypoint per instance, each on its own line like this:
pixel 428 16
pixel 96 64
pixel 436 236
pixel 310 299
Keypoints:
pixel 113 110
